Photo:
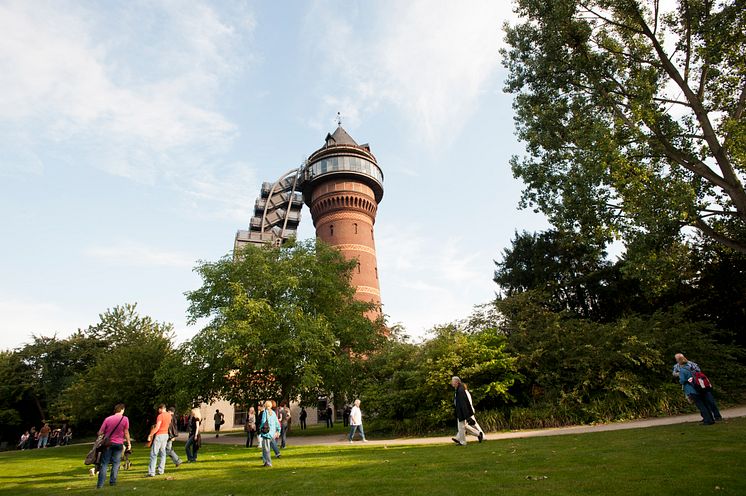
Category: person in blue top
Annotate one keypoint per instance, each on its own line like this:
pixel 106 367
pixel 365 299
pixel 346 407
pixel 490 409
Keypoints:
pixel 272 429
pixel 685 379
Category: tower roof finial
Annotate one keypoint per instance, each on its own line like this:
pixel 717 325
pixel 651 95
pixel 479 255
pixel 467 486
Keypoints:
pixel 339 119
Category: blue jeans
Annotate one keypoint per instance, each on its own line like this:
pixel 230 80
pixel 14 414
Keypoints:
pixel 703 410
pixel 191 449
pixel 170 452
pixel 43 442
pixel 283 433
pixel 158 452
pixel 353 428
pixel 273 443
pixel 266 444
pixel 113 455
pixel 710 403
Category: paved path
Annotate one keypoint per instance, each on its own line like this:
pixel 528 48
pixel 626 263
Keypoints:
pixel 339 439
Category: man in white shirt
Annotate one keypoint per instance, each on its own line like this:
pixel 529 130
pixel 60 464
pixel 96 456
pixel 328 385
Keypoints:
pixel 356 421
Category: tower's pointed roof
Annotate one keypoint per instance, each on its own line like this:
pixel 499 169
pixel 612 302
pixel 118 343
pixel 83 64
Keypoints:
pixel 340 137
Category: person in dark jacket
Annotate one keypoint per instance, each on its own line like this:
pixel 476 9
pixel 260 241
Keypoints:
pixel 464 412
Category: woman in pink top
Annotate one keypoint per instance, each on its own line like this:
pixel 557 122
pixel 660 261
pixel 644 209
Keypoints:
pixel 117 428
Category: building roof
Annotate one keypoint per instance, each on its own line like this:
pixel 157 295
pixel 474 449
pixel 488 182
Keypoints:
pixel 340 137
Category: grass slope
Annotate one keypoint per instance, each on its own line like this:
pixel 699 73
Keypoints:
pixel 679 459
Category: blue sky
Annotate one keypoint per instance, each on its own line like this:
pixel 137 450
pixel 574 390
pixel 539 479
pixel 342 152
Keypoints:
pixel 134 137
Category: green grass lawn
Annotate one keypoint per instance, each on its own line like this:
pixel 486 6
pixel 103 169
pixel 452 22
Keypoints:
pixel 686 459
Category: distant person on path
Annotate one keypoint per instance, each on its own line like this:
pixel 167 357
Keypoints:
pixel 192 444
pixel 329 418
pixel 159 438
pixel 44 436
pixel 346 416
pixel 303 415
pixel 356 422
pixel 250 427
pixel 464 413
pixel 269 430
pixel 219 420
pixel 117 428
pixel 284 417
pixel 697 393
pixel 473 427
pixel 173 433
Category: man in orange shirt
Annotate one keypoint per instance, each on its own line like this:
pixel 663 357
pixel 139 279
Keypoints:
pixel 159 439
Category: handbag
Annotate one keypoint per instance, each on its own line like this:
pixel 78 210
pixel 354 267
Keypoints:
pixel 265 425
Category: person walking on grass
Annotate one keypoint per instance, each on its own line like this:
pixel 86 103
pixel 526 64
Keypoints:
pixel 219 419
pixel 269 431
pixel 250 427
pixel 698 390
pixel 193 441
pixel 158 438
pixel 173 433
pixel 464 413
pixel 283 416
pixel 356 421
pixel 117 428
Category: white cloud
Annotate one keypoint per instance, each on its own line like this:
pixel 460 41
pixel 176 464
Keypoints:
pixel 426 280
pixel 133 254
pixel 22 318
pixel 432 60
pixel 129 89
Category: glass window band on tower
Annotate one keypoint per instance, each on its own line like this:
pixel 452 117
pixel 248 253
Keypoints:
pixel 345 164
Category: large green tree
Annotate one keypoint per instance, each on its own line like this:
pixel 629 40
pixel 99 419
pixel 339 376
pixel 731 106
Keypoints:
pixel 633 116
pixel 125 370
pixel 282 322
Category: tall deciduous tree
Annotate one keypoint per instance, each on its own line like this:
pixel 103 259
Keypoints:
pixel 124 371
pixel 633 115
pixel 282 322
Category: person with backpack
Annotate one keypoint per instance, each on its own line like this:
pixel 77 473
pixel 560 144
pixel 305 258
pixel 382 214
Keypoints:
pixel 114 431
pixel 269 430
pixel 173 433
pixel 698 389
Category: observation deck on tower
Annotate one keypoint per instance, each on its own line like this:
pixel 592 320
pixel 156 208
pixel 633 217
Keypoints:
pixel 277 210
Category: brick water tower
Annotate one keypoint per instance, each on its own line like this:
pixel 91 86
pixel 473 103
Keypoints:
pixel 342 185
